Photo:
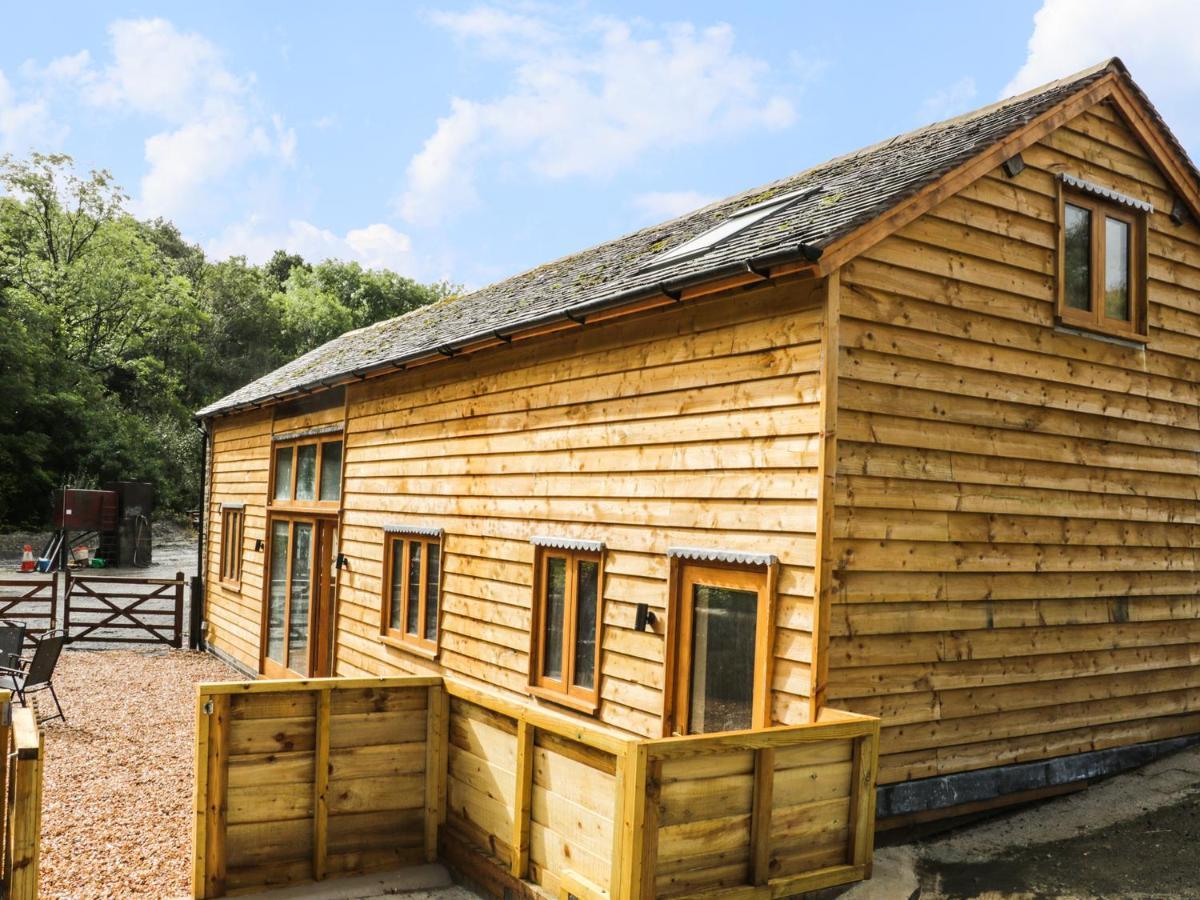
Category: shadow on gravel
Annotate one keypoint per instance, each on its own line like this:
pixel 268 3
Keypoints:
pixel 1154 855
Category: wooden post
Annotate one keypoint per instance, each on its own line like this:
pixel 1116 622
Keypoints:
pixel 825 563
pixel 761 807
pixel 216 794
pixel 650 829
pixel 25 806
pixel 53 601
pixel 862 803
pixel 523 804
pixel 5 738
pixel 437 735
pixel 629 864
pixel 177 639
pixel 320 858
pixel 200 796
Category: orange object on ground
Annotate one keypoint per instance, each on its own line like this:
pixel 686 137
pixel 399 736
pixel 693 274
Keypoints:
pixel 27 562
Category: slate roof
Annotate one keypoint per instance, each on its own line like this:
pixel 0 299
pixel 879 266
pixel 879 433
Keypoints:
pixel 850 191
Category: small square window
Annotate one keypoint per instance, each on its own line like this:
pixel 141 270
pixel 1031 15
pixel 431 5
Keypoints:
pixel 1102 266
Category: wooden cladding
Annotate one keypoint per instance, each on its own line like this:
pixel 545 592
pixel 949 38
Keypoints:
pixel 1101 265
pixel 413 586
pixel 1017 503
pixel 300 781
pixel 565 637
pixel 232 522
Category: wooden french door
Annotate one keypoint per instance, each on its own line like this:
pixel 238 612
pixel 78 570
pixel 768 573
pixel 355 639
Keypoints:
pixel 297 635
pixel 722 647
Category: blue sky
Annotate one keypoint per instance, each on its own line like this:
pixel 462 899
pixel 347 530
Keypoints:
pixel 470 141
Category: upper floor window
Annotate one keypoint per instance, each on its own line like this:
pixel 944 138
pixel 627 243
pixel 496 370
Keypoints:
pixel 307 471
pixel 413 586
pixel 1102 268
pixel 568 592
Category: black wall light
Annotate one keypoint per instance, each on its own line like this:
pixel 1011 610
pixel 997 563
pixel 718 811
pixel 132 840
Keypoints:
pixel 644 620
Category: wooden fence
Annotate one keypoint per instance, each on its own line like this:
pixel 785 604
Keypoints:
pixel 302 780
pixel 21 796
pixel 104 609
pixel 32 599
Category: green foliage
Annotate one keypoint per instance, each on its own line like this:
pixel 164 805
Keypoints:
pixel 115 330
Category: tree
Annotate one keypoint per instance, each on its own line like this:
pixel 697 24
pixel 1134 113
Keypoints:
pixel 116 330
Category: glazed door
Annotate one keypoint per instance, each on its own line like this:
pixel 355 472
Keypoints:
pixel 720 652
pixel 299 597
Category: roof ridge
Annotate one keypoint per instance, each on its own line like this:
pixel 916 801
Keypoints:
pixel 784 179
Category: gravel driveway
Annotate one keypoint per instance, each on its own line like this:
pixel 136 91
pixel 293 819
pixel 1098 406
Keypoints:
pixel 117 796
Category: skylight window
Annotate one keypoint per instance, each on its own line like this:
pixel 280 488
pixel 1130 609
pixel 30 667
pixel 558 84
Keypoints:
pixel 736 223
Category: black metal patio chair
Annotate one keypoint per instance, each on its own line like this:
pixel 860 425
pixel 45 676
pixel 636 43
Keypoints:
pixel 12 642
pixel 38 674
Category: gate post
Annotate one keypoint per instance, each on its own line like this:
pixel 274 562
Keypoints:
pixel 177 639
pixel 194 614
pixel 66 602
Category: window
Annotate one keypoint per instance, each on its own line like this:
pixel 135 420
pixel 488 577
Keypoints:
pixel 738 221
pixel 231 543
pixel 1102 263
pixel 412 590
pixel 721 626
pixel 307 472
pixel 568 594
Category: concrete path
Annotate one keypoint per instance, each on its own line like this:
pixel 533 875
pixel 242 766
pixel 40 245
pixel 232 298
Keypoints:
pixel 431 882
pixel 1088 844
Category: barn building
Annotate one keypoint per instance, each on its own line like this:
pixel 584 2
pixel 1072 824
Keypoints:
pixel 913 433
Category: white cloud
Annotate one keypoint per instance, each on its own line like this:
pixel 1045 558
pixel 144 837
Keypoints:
pixel 949 101
pixel 215 127
pixel 376 246
pixel 1158 39
pixel 26 123
pixel 63 70
pixel 658 206
pixel 160 71
pixel 588 100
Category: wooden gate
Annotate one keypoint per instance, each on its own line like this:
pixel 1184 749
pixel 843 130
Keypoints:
pixel 32 599
pixel 105 609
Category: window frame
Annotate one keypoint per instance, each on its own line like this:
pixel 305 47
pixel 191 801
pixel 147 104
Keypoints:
pixel 761 577
pixel 294 445
pixel 1095 320
pixel 398 637
pixel 565 692
pixel 232 544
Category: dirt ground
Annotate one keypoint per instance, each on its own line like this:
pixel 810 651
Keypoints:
pixel 1133 836
pixel 117 795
